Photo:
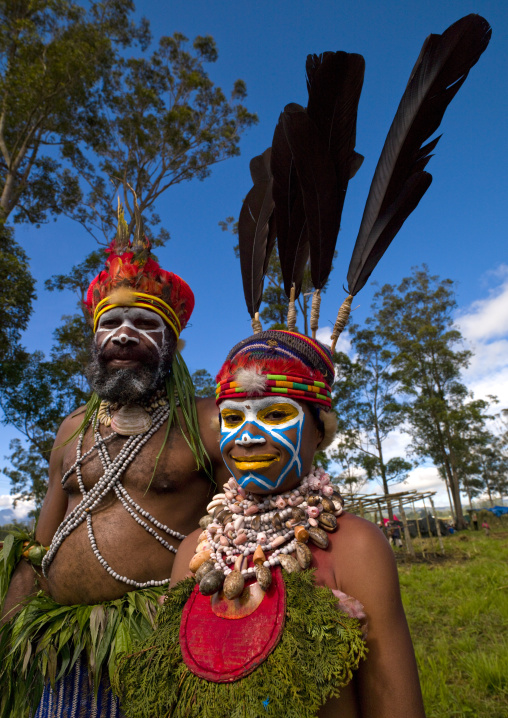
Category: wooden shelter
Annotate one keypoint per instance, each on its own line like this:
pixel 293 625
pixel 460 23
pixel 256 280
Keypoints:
pixel 377 507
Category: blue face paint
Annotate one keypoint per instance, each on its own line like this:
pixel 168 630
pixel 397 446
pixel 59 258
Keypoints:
pixel 243 427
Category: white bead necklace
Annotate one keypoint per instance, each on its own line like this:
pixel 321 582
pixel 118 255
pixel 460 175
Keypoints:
pixel 111 480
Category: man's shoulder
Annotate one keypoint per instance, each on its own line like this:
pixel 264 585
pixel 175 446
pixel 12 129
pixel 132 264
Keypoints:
pixel 206 407
pixel 71 423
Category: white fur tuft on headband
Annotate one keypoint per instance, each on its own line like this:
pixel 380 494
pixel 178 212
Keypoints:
pixel 251 381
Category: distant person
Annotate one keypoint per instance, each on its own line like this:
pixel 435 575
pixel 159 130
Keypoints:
pixel 475 521
pixel 395 535
pixel 486 528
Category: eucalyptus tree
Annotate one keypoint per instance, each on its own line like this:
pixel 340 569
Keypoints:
pixel 368 410
pixel 160 121
pixel 56 61
pixel 416 320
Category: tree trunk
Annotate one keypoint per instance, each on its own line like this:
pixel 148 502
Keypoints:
pixel 382 469
pixel 438 528
pixel 407 535
pixel 468 492
pixel 449 497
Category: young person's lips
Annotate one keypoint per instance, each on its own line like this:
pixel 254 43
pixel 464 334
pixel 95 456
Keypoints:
pixel 254 461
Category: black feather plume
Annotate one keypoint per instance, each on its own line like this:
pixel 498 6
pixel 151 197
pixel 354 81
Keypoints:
pixel 292 235
pixel 317 180
pixel 334 83
pixel 256 231
pixel 400 180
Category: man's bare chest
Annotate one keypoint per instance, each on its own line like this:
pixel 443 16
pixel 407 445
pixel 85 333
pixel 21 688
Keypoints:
pixel 158 466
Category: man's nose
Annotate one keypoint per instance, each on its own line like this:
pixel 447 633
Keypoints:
pixel 124 336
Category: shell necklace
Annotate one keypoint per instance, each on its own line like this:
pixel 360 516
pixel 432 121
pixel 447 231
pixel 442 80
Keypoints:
pixel 240 525
pixel 132 419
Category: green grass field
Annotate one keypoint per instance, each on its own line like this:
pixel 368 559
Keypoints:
pixel 457 609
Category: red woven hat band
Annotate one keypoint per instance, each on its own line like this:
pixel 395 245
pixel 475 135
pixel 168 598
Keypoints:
pixel 251 376
pixel 278 363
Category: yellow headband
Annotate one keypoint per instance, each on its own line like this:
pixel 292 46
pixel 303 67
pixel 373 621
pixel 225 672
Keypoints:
pixel 145 301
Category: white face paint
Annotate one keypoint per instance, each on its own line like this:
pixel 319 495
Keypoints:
pixel 271 424
pixel 128 325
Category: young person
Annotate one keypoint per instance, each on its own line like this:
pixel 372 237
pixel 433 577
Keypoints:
pixel 241 641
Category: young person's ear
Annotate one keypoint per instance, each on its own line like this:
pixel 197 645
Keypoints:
pixel 329 422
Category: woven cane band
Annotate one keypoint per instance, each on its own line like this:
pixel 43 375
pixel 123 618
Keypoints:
pixel 145 301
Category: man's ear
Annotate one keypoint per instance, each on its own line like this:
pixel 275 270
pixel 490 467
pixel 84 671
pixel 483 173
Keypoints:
pixel 329 421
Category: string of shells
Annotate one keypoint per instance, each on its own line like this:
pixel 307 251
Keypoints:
pixel 245 535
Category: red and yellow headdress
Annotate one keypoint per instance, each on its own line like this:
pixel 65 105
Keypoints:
pixel 132 277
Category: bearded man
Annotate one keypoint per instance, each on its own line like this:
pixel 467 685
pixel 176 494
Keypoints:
pixel 130 476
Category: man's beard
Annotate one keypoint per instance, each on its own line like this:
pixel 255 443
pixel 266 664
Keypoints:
pixel 128 386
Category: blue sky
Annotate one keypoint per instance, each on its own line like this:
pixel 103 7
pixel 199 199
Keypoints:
pixel 458 228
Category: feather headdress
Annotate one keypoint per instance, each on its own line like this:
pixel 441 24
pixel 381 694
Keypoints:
pixel 313 158
pixel 132 277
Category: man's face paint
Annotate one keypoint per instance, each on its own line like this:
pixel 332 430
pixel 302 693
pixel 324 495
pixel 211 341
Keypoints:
pixel 128 327
pixel 261 441
pixel 131 356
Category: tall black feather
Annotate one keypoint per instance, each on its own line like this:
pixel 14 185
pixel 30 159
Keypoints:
pixel 318 183
pixel 400 181
pixel 334 83
pixel 292 235
pixel 256 231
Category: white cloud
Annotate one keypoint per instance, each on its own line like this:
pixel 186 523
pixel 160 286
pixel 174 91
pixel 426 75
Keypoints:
pixel 395 444
pixel 423 478
pixel 343 342
pixel 485 326
pixel 487 318
pixel 20 511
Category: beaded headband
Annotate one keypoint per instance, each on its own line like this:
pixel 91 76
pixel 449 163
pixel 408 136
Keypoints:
pixel 280 384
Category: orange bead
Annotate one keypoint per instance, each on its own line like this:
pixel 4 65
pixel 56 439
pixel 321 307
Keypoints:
pixel 301 534
pixel 259 557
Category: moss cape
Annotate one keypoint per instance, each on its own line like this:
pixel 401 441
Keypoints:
pixel 317 654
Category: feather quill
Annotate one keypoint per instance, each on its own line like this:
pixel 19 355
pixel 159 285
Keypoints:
pixel 256 231
pixel 400 180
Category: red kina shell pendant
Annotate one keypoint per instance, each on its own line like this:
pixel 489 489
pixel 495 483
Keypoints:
pixel 224 646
